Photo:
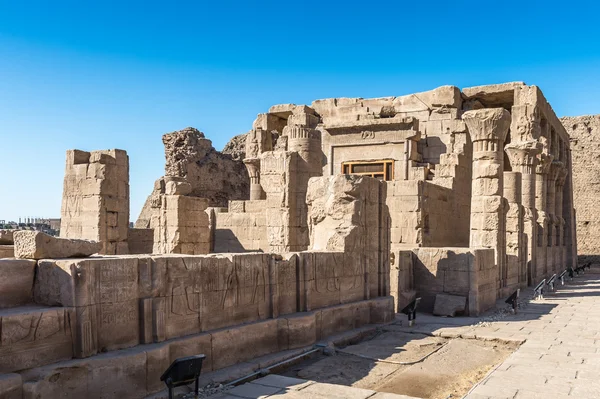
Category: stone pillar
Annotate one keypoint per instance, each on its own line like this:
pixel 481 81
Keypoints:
pixel 95 204
pixel 253 166
pixel 257 141
pixel 553 221
pixel 182 226
pixel 488 128
pixel 569 212
pixel 514 231
pixel 541 174
pixel 560 218
pixel 304 140
pixel 523 158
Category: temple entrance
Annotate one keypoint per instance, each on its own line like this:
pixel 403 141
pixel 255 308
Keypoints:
pixel 382 170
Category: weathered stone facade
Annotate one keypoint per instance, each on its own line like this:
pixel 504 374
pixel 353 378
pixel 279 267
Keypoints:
pixel 485 167
pixel 585 136
pixel 339 214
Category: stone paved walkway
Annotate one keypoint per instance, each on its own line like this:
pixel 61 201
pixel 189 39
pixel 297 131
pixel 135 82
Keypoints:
pixel 559 358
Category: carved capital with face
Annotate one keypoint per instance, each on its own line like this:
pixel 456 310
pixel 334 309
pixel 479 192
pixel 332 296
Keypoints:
pixel 555 170
pixel 523 155
pixel 543 163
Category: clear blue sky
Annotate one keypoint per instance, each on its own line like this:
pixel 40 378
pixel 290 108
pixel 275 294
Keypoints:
pixel 119 74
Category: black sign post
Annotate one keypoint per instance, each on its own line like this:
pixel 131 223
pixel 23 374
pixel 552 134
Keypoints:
pixel 513 300
pixel 562 277
pixel 183 371
pixel 411 311
pixel 538 291
pixel 551 281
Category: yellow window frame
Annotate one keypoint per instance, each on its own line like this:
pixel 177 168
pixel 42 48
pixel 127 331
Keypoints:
pixel 387 168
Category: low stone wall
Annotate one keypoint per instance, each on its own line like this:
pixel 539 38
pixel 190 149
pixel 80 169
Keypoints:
pixel 467 272
pixel 85 307
pixel 242 229
pixel 135 372
pixel 140 241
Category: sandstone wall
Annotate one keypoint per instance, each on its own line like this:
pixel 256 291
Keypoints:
pixel 585 153
pixel 434 113
pixel 82 336
pixel 466 272
pixel 242 228
pixel 445 223
pixel 96 305
pixel 347 213
pixel 424 213
pixel 181 226
pixel 140 241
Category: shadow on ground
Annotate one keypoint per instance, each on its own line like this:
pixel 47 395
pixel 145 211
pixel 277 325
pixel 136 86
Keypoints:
pixel 439 357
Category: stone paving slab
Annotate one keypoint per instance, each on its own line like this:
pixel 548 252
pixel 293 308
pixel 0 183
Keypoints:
pixel 559 358
pixel 277 386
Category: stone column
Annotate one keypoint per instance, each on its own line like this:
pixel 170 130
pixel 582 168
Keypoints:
pixel 553 224
pixel 304 140
pixel 560 219
pixel 523 158
pixel 253 166
pixel 514 231
pixel 488 128
pixel 258 141
pixel 541 173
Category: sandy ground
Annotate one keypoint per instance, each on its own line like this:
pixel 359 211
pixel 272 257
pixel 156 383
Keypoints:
pixel 434 368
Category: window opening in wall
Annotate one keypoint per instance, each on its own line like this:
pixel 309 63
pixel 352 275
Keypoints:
pixel 550 235
pixel 382 170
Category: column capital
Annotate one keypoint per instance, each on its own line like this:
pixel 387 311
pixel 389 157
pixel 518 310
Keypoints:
pixel 253 166
pixel 555 168
pixel 543 163
pixel 258 141
pixel 562 176
pixel 487 124
pixel 523 155
pixel 525 124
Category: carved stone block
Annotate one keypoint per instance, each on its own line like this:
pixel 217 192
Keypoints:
pixel 35 336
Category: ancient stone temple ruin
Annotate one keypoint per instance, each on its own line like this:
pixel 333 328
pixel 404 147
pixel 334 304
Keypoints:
pixel 338 214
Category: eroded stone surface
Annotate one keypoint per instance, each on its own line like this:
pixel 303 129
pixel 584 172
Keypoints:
pixel 95 204
pixel 585 133
pixel 7 251
pixel 11 386
pixel 449 305
pixel 38 245
pixel 213 175
pixel 6 237
pixel 16 282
